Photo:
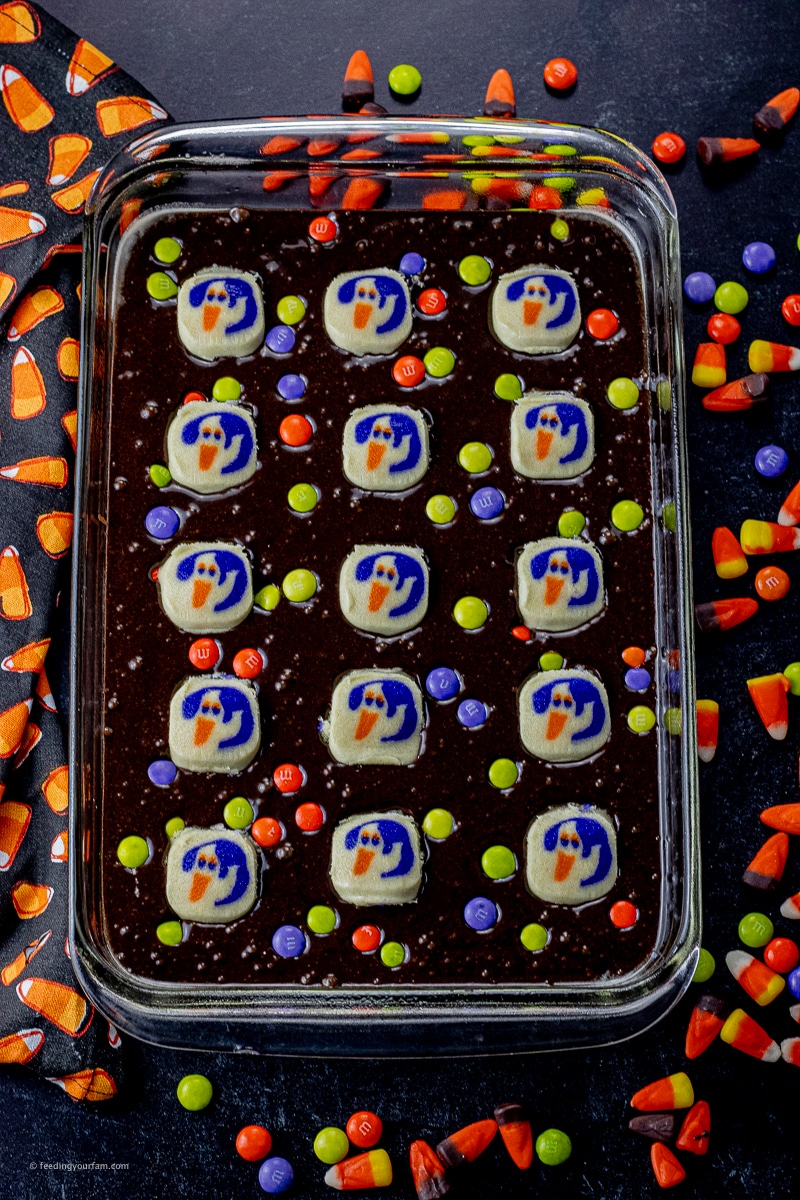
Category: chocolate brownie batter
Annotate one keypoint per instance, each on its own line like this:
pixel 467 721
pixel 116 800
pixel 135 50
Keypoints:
pixel 308 646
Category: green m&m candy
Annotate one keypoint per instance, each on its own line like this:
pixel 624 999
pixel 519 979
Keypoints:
pixel 194 1092
pixel 133 852
pixel 475 270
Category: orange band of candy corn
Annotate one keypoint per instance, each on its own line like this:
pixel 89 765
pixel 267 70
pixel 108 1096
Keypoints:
pixel 59 1004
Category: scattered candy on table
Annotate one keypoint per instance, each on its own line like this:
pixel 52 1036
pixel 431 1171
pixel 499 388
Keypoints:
pixel 745 1034
pixel 560 74
pixel 666 1168
pixel 772 356
pixel 766 869
pixel 708 1017
pixel 737 396
pixel 275 1175
pixel 709 368
pixel 755 930
pixel 253 1143
pixel 776 114
pixel 373 1169
pixel 771 461
pixel 719 615
pixel 669 148
pixel 760 982
pixel 466 1144
pixel 707 729
pixel 768 693
pixel 696 1129
pixel 758 257
pixel 724 328
pixel 717 152
pixel 699 287
pixel 194 1092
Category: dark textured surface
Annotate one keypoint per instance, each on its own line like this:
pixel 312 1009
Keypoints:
pixel 699 68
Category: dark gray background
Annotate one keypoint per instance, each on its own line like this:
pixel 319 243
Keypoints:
pixel 698 68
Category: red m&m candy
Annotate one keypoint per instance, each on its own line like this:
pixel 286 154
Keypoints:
pixel 408 371
pixel 288 777
pixel 791 309
pixel 204 654
pixel 253 1143
pixel 560 74
pixel 669 148
pixel 723 328
pixel 782 955
pixel 364 1129
pixel 623 914
pixel 309 817
pixel 322 229
pixel 602 324
pixel 295 430
pixel 367 938
pixel 247 664
pixel 431 302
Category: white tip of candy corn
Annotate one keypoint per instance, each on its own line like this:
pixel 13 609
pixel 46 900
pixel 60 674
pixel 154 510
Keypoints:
pixel 794 1013
pixel 706 753
pixel 790 1051
pixel 791 908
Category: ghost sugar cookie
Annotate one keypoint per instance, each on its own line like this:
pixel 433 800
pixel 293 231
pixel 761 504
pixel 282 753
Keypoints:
pixel 552 436
pixel 559 583
pixel 220 313
pixel 368 312
pixel 376 859
pixel 563 715
pixel 571 854
pixel 206 587
pixel 214 724
pixel 211 447
pixel 535 310
pixel 385 447
pixel 384 589
pixel 375 718
pixel 212 875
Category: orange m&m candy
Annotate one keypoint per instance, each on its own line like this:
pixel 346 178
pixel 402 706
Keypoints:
pixel 602 323
pixel 408 371
pixel 295 430
pixel 266 831
pixel 772 583
pixel 367 938
pixel 669 148
pixel 560 74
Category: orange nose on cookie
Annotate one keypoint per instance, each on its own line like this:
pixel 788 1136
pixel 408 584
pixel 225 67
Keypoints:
pixel 361 314
pixel 206 457
pixel 366 723
pixel 377 594
pixel 552 589
pixel 200 592
pixel 375 453
pixel 363 860
pixel 564 864
pixel 202 730
pixel 555 723
pixel 543 443
pixel 199 884
pixel 530 311
pixel 210 316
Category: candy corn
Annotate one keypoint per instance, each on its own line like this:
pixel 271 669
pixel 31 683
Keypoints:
pixel 15 600
pixel 745 1034
pixel 545 199
pixel 737 396
pixel 56 789
pixel 54 531
pixel 766 537
pixel 43 693
pixel 37 305
pixel 515 191
pixel 790 1051
pixel 719 615
pixel 767 867
pixel 370 1170
pixel 777 112
pixel 500 100
pixel 28 658
pixel 707 729
pixel 659 1127
pixel 715 152
pixel 466 1144
pixel 362 193
pixel 276 179
pixel 19 23
pixel 452 199
pixel 61 1005
pixel 86 67
pixel 14 821
pixel 674 1091
pixel 59 847
pixel 67 152
pixel 790 509
pixel 17 965
pixel 17 187
pixel 8 289
pixel 130 211
pixel 358 88
pixel 16 225
pixel 708 1016
pixel 515 1130
pixel 69 423
pixel 31 736
pixel 427 1172
pixel 791 907
pixel 91 1084
pixel 28 393
pixel 122 113
pixel 73 197
pixel 26 106
pixel 785 817
pixel 46 471
pixel 666 1168
pixel 30 899
pixel 318 147
pixel 772 356
pixel 769 695
pixel 761 983
pixel 709 365
pixel 21 1047
pixel 12 727
pixel 281 145
pixel 729 559
pixel 696 1129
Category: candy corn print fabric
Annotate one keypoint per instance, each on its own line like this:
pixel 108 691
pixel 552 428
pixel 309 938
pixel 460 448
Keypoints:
pixel 65 108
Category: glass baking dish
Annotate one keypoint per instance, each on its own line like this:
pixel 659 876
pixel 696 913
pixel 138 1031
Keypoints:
pixel 396 179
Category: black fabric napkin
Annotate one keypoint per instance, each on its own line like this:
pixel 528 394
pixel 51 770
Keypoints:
pixel 66 108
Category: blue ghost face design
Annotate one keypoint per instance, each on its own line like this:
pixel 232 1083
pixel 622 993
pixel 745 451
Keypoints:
pixel 219 297
pixel 365 292
pixel 383 698
pixel 567 698
pixel 368 312
pixel 380 838
pixel 553 426
pixel 568 561
pixel 389 573
pixel 218 431
pixel 217 861
pixel 549 298
pixel 210 571
pixel 579 835
pixel 535 310
pixel 219 704
pixel 390 429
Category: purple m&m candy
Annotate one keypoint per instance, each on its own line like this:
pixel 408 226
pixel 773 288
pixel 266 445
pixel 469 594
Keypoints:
pixel 280 339
pixel 674 681
pixel 162 772
pixel 291 387
pixel 480 913
pixel 412 263
pixel 442 683
pixel 472 713
pixel 771 461
pixel 288 941
pixel 162 522
pixel 487 503
pixel 637 679
pixel 758 257
pixel 794 983
pixel 275 1175
pixel 699 287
